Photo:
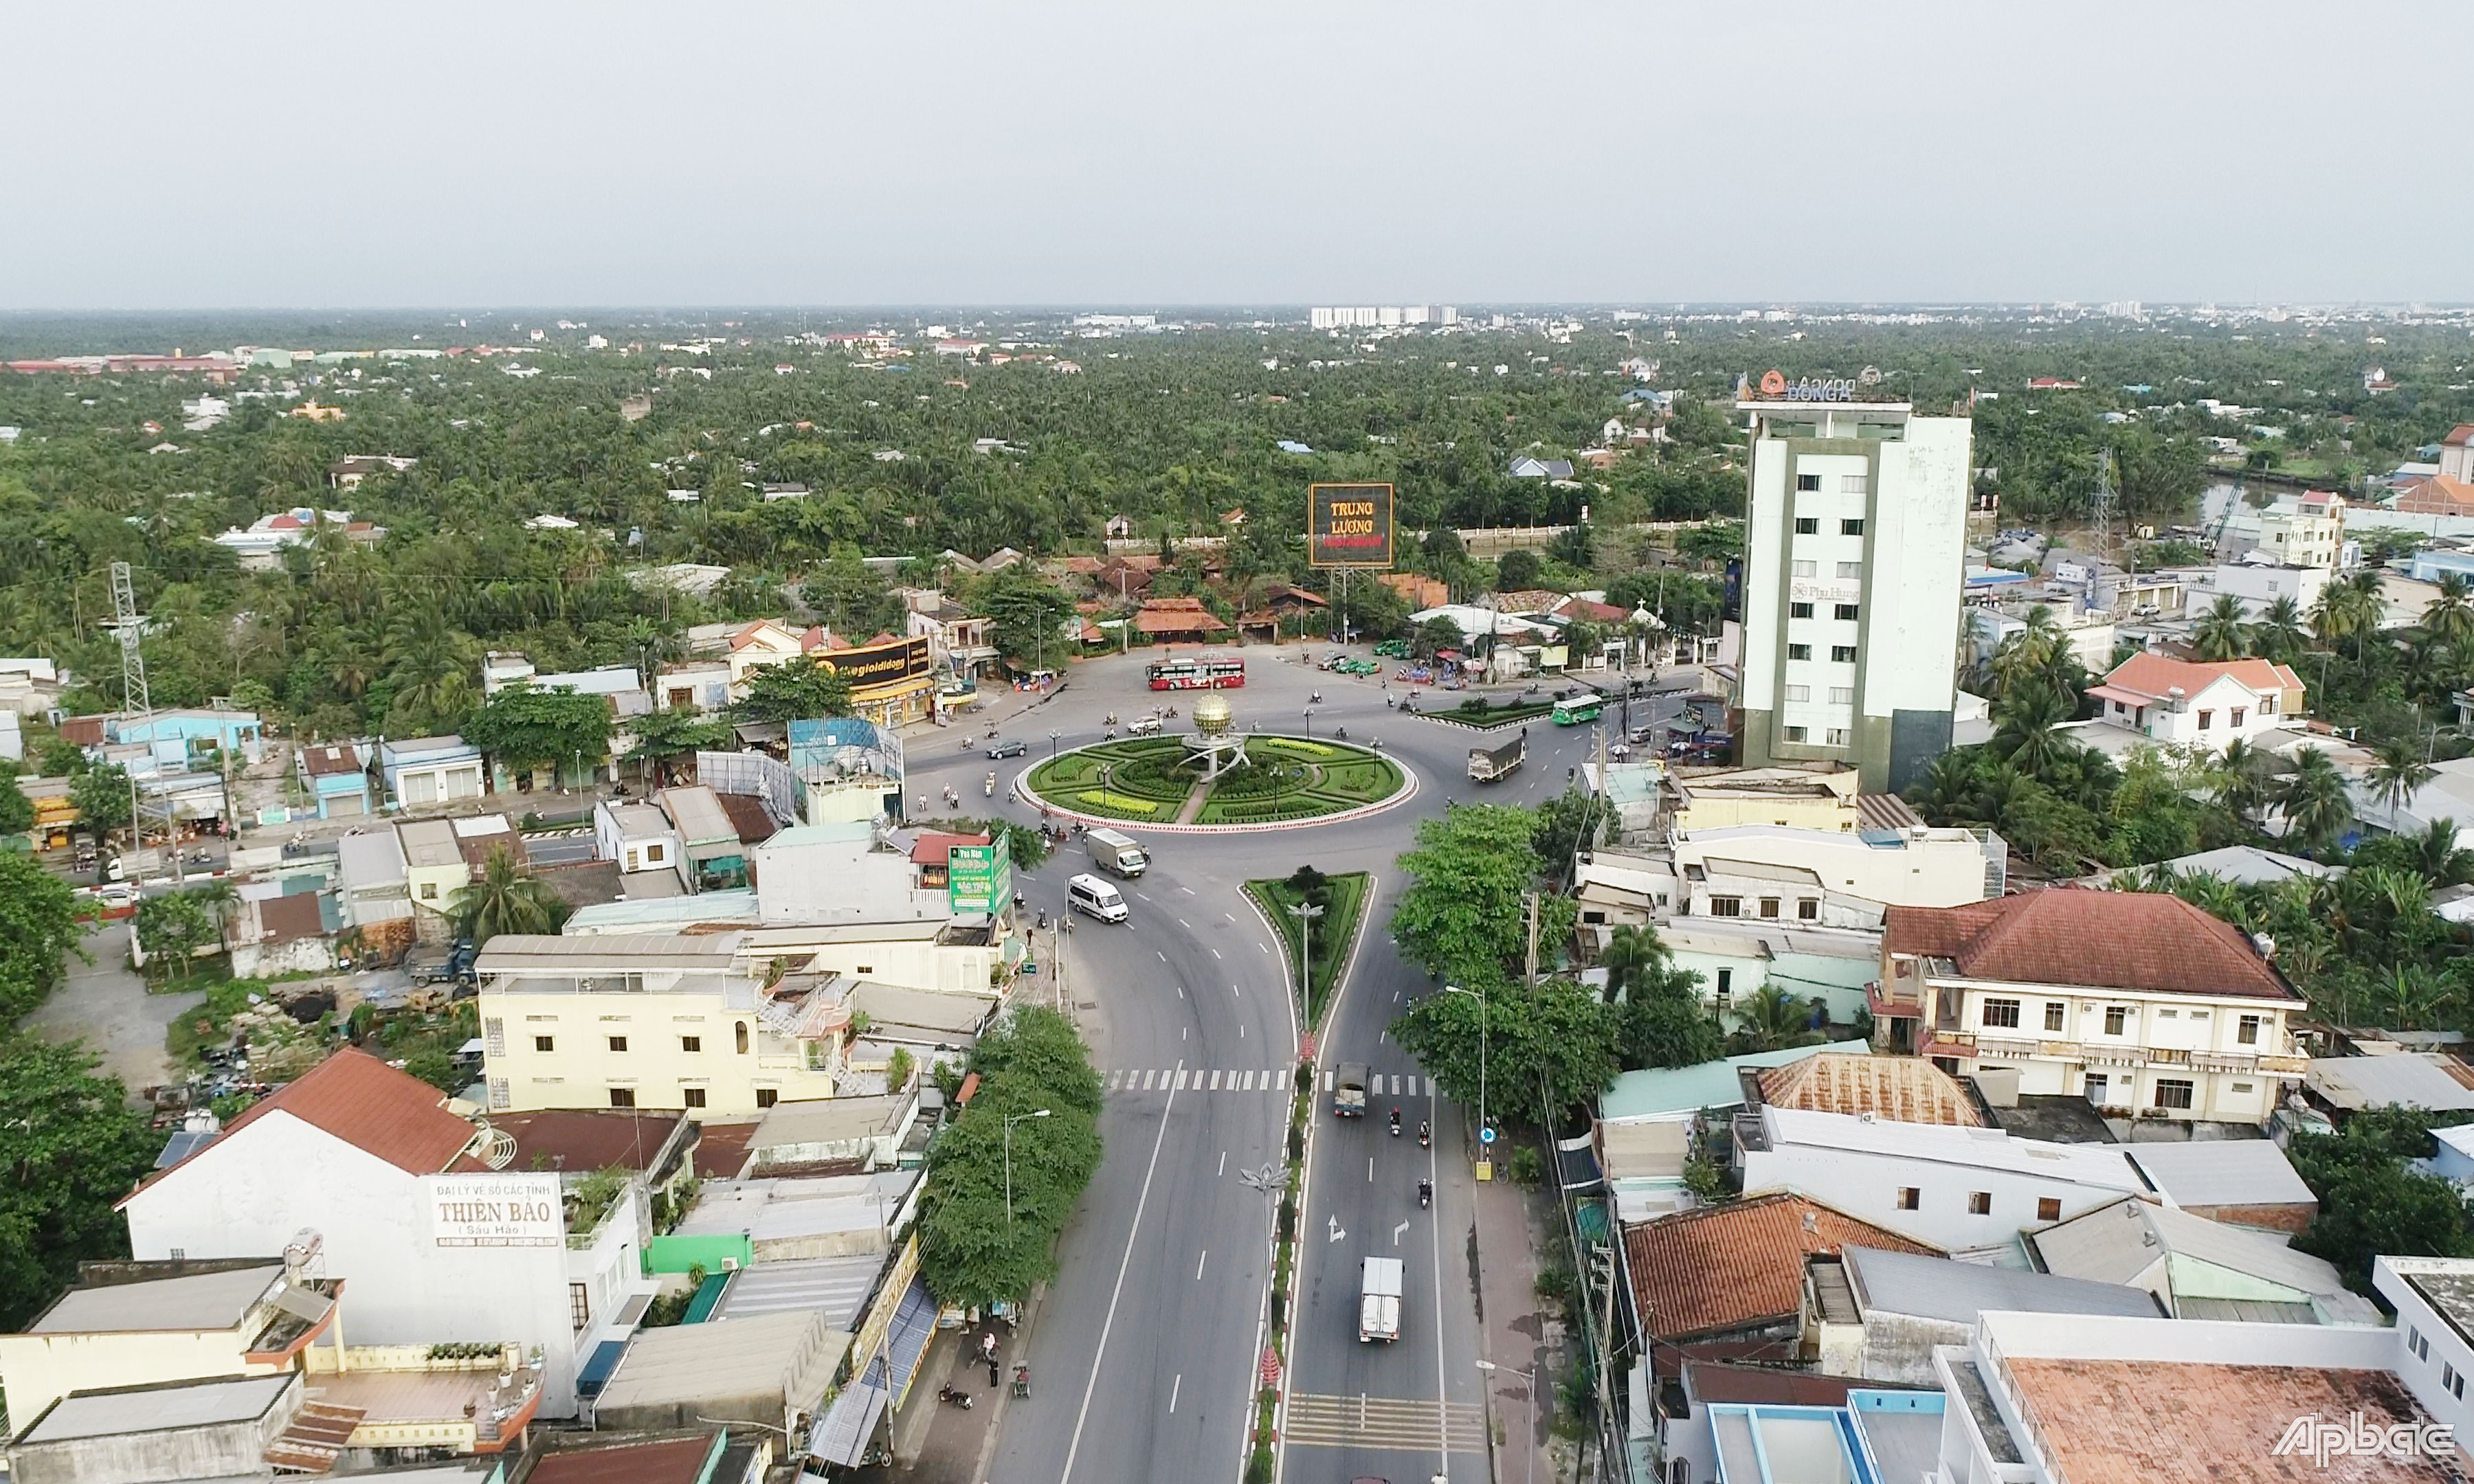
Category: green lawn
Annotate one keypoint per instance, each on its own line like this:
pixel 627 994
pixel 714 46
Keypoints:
pixel 1298 779
pixel 1333 931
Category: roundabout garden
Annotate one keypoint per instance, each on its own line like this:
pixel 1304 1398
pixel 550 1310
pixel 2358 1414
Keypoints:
pixel 1166 780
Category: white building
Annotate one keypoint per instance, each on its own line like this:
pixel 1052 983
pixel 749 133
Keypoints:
pixel 1855 553
pixel 2259 584
pixel 2433 1297
pixel 435 1245
pixel 2184 703
pixel 1831 880
pixel 2137 1001
pixel 1956 1188
pixel 651 857
pixel 2306 530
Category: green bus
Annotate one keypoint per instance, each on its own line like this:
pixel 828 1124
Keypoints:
pixel 1578 711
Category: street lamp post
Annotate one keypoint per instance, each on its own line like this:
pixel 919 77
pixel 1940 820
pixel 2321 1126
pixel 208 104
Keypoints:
pixel 1309 721
pixel 1036 1113
pixel 1480 993
pixel 1305 912
pixel 1053 735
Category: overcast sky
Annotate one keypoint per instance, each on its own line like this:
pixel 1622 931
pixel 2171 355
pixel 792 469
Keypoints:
pixel 1156 153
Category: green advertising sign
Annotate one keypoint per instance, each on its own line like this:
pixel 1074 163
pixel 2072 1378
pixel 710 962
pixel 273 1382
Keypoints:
pixel 979 878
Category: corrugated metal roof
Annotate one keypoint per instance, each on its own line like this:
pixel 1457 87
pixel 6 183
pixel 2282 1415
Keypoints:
pixel 837 1288
pixel 2222 1172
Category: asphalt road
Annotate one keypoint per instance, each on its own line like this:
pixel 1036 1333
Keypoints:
pixel 1144 1356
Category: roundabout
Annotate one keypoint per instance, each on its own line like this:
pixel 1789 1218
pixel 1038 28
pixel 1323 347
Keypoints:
pixel 1218 778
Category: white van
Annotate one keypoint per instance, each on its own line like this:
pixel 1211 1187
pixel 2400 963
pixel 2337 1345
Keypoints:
pixel 1089 894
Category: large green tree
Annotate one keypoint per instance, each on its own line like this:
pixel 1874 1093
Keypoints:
pixel 71 1145
pixel 1545 1049
pixel 524 726
pixel 1461 914
pixel 39 933
pixel 798 690
pixel 976 1246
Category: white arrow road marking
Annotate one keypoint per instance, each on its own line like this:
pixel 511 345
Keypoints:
pixel 1395 1237
pixel 1336 1233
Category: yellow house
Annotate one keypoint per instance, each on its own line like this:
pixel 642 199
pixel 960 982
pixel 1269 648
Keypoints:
pixel 440 857
pixel 758 645
pixel 669 1020
pixel 1822 797
pixel 137 1323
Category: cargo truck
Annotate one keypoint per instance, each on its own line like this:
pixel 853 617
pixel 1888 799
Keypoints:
pixel 1379 1299
pixel 1490 763
pixel 1115 854
pixel 1349 1090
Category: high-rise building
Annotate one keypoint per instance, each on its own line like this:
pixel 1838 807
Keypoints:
pixel 1855 552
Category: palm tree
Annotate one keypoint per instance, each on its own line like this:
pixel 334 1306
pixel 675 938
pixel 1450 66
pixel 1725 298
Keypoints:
pixel 1950 792
pixel 1632 956
pixel 2317 805
pixel 1772 1020
pixel 2245 779
pixel 2399 773
pixel 2449 617
pixel 2027 731
pixel 2437 855
pixel 505 899
pixel 2278 633
pixel 2220 632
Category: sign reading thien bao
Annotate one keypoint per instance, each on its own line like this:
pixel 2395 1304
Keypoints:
pixel 979 878
pixel 495 1210
pixel 1348 525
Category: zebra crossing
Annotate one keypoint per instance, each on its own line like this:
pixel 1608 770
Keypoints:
pixel 1249 1079
pixel 1385 1422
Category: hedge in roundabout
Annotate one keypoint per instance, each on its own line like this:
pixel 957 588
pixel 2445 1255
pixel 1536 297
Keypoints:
pixel 1287 779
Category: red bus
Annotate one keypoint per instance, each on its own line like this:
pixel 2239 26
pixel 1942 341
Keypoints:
pixel 1198 672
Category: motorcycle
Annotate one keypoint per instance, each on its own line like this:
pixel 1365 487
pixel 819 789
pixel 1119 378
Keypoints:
pixel 1314 698
pixel 1425 1194
pixel 1425 1137
pixel 989 785
pixel 1112 719
pixel 955 1394
pixel 1395 1123
pixel 1340 732
pixel 1043 920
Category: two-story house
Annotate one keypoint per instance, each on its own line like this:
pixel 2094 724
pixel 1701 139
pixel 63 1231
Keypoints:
pixel 2189 704
pixel 2138 1001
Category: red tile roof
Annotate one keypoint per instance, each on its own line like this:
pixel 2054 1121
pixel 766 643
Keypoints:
pixel 1724 1268
pixel 932 845
pixel 1901 1088
pixel 2459 435
pixel 370 1106
pixel 327 759
pixel 2157 675
pixel 672 1461
pixel 1176 615
pixel 2435 495
pixel 2097 940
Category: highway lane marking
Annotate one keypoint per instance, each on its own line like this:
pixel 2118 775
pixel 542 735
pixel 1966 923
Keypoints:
pixel 1187 890
pixel 1231 916
pixel 1183 922
pixel 1215 1086
pixel 1091 1386
pixel 1369 1169
pixel 1392 1422
pixel 1199 1263
pixel 1173 1387
pixel 1164 959
pixel 1223 1154
pixel 1260 943
pixel 1215 953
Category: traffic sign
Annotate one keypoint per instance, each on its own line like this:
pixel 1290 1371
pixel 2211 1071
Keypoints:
pixel 1486 1136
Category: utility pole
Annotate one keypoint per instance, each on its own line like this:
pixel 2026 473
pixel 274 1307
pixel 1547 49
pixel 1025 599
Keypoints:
pixel 1529 903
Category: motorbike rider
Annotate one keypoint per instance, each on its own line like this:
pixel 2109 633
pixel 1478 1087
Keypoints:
pixel 1425 1193
pixel 1395 1121
pixel 1425 1135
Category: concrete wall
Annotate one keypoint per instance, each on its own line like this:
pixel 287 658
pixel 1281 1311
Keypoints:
pixel 230 1450
pixel 1866 1185
pixel 39 1369
pixel 580 1068
pixel 1898 1348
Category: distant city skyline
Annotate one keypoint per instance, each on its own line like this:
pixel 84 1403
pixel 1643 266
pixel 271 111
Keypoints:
pixel 1111 155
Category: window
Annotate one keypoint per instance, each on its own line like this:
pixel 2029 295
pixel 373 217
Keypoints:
pixel 2241 1086
pixel 1726 906
pixel 2001 1013
pixel 500 1097
pixel 2234 718
pixel 545 1044
pixel 653 854
pixel 2267 706
pixel 1909 1197
pixel 1842 695
pixel 766 1097
pixel 1799 652
pixel 579 1305
pixel 691 1043
pixel 1808 483
pixel 618 1042
pixel 1726 985
pixel 622 1097
pixel 496 1029
pixel 1798 733
pixel 2169 1014
pixel 2415 1342
pixel 1842 654
pixel 2095 1088
pixel 1835 736
pixel 1799 611
pixel 1802 569
pixel 2055 1009
pixel 1850 571
pixel 1853 484
pixel 2199 1014
pixel 2049 1209
pixel 862 970
pixel 741 1030
pixel 1979 1203
pixel 2454 1380
pixel 1807 525
pixel 1799 692
pixel 1846 613
pixel 1808 910
pixel 428 891
pixel 1854 527
pixel 2207 719
pixel 1769 907
pixel 2174 1092
pixel 2117 1019
pixel 695 1096
pixel 2246 1030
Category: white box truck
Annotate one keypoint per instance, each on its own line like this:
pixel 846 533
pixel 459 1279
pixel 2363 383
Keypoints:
pixel 1379 1299
pixel 1116 853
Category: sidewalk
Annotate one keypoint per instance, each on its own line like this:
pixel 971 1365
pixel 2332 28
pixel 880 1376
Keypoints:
pixel 938 1442
pixel 1518 1332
